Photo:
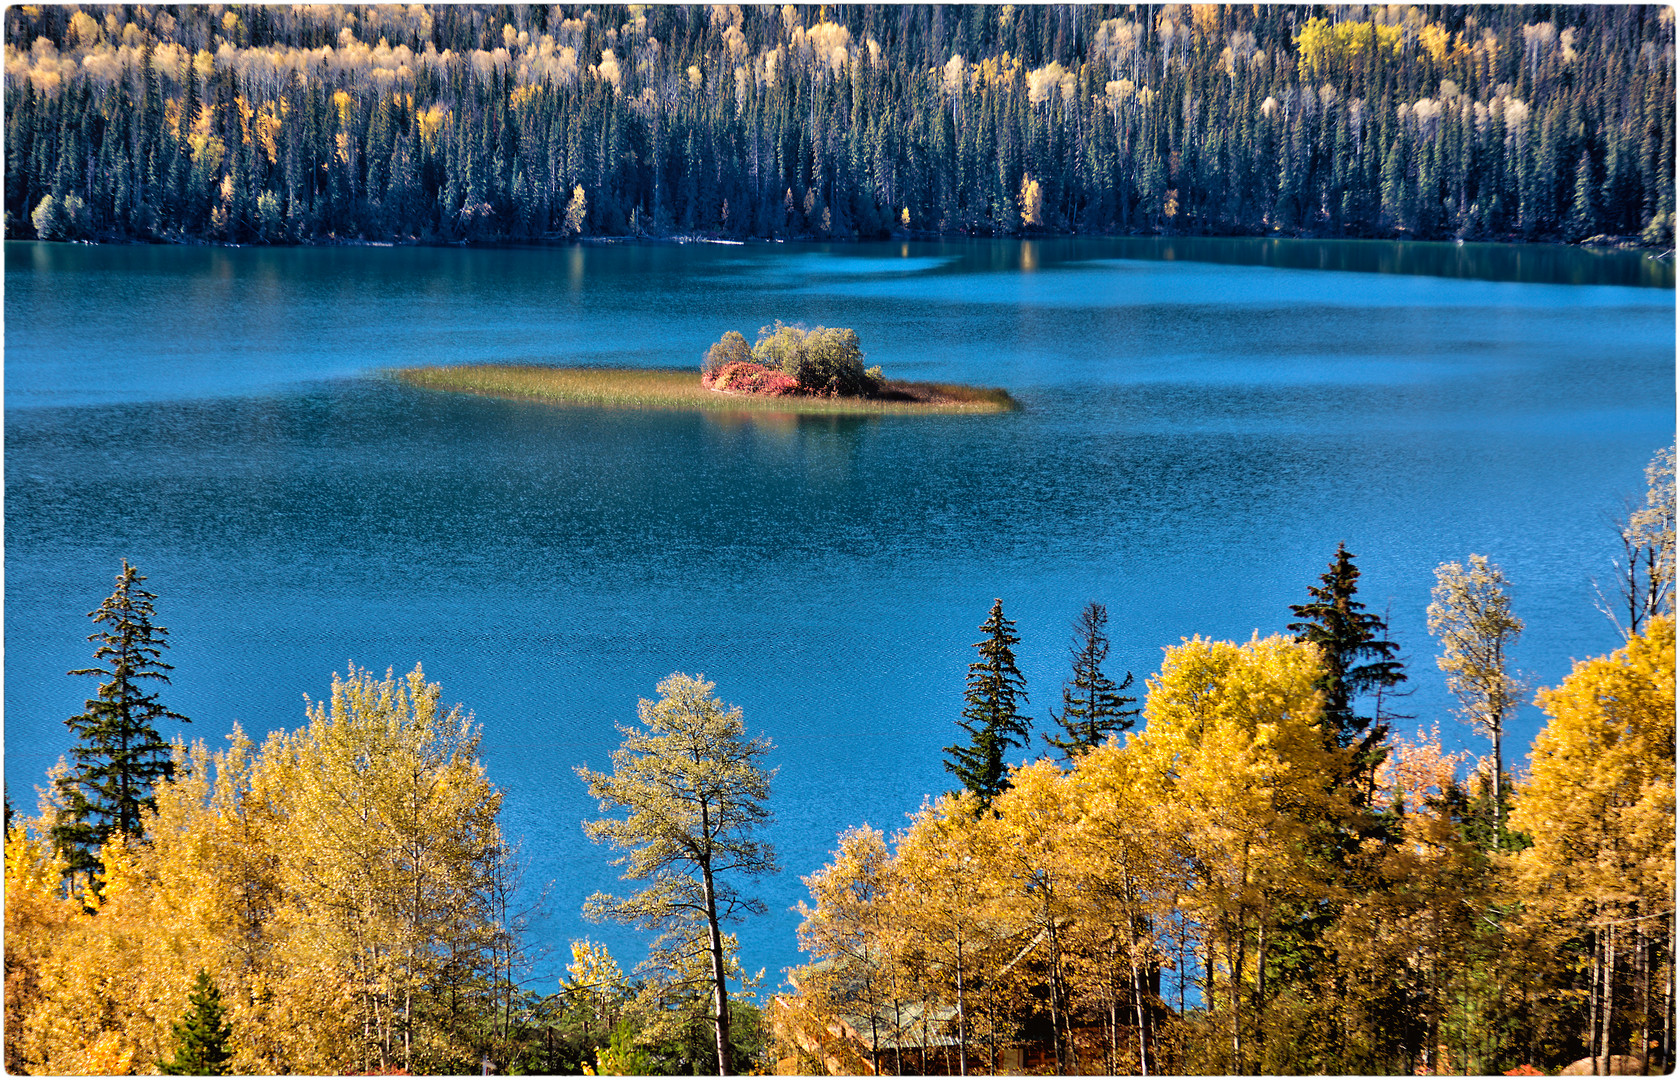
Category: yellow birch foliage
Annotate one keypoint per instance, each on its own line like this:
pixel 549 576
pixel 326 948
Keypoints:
pixel 1599 800
pixel 1236 733
pixel 949 940
pixel 846 935
pixel 243 874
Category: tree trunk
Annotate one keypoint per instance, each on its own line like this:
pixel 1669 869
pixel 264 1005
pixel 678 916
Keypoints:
pixel 962 1013
pixel 1668 997
pixel 1137 995
pixel 1057 1013
pixel 1237 950
pixel 1609 990
pixel 1260 993
pixel 720 988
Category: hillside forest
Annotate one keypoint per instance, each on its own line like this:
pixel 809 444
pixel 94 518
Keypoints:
pixel 324 123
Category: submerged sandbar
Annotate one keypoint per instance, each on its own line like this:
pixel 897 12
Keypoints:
pixel 680 388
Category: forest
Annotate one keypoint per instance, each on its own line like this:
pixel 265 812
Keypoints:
pixel 1245 865
pixel 518 123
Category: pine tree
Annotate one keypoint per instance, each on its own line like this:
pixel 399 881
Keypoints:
pixel 991 718
pixel 1093 707
pixel 1358 658
pixel 120 755
pixel 201 1036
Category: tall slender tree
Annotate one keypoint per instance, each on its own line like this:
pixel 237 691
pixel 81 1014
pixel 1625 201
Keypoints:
pixel 1472 617
pixel 1093 705
pixel 1357 655
pixel 694 787
pixel 992 717
pixel 120 755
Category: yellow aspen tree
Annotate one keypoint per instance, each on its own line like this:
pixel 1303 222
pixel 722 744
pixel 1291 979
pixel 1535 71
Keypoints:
pixel 1125 880
pixel 845 933
pixel 1645 570
pixel 1599 806
pixel 1032 202
pixel 942 895
pixel 1236 732
pixel 1471 614
pixel 576 211
pixel 1035 873
pixel 390 839
pixel 694 790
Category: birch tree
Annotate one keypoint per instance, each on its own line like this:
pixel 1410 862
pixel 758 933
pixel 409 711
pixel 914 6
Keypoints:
pixel 694 788
pixel 1471 614
pixel 1645 570
pixel 1599 804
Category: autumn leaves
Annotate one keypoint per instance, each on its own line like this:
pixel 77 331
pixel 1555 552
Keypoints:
pixel 339 884
pixel 1262 880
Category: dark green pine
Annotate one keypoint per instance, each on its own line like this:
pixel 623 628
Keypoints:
pixel 992 717
pixel 1358 657
pixel 119 755
pixel 201 1036
pixel 1093 705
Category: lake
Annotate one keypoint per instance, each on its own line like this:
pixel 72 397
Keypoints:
pixel 1202 422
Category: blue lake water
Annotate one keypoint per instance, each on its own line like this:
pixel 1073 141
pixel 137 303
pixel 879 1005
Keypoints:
pixel 1196 438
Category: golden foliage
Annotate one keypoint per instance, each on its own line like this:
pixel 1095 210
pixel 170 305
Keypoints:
pixel 318 882
pixel 1320 46
pixel 1599 800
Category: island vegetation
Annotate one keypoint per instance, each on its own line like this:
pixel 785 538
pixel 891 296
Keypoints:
pixel 1265 877
pixel 283 124
pixel 789 370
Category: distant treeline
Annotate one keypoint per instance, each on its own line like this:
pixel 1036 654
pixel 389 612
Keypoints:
pixel 493 123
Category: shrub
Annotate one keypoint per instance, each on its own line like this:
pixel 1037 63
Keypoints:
pixel 746 377
pixel 791 359
pixel 821 361
pixel 737 375
pixel 731 348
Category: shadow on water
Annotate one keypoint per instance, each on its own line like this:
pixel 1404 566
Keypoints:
pixel 1531 264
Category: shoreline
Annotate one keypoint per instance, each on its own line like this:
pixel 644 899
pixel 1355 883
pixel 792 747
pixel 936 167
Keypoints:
pixel 1594 244
pixel 680 390
pixel 1528 263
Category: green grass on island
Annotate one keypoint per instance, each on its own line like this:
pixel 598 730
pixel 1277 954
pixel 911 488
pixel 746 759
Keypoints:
pixel 666 388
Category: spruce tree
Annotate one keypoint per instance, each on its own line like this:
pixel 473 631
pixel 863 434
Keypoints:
pixel 1093 707
pixel 120 754
pixel 1358 657
pixel 202 1035
pixel 991 718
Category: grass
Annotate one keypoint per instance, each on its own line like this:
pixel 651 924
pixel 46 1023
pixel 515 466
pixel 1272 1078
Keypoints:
pixel 664 388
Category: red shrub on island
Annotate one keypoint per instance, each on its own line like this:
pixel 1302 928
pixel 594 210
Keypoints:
pixel 746 377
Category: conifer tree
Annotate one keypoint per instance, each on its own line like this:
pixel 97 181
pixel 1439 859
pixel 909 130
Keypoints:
pixel 1093 707
pixel 120 755
pixel 1358 658
pixel 992 719
pixel 202 1035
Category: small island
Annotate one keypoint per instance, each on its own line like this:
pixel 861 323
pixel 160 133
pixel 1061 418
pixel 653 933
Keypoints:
pixel 789 370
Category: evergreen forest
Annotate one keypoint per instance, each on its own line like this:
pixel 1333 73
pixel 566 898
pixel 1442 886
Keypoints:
pixel 513 123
